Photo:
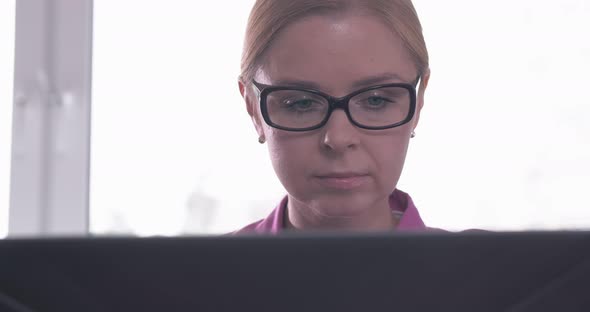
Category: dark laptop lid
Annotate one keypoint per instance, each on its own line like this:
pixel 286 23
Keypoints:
pixel 546 271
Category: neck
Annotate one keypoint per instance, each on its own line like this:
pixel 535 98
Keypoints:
pixel 376 218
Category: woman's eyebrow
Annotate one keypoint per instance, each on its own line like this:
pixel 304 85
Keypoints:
pixel 377 79
pixel 297 83
pixel 363 82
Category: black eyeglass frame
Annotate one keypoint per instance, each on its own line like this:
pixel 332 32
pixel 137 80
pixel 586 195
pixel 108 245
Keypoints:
pixel 335 103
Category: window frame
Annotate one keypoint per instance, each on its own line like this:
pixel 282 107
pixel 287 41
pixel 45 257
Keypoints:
pixel 50 160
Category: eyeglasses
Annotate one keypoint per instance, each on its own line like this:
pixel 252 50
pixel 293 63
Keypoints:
pixel 375 108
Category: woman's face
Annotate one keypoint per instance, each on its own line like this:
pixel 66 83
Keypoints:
pixel 339 170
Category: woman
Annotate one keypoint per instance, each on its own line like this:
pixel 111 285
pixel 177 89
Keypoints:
pixel 335 88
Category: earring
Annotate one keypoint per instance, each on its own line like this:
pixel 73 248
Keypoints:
pixel 261 139
pixel 413 135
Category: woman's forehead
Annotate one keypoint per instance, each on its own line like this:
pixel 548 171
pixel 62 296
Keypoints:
pixel 334 53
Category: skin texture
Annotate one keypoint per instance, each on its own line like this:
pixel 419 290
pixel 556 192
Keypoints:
pixel 334 54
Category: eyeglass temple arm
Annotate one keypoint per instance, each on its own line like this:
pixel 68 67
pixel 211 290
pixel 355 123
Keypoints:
pixel 417 81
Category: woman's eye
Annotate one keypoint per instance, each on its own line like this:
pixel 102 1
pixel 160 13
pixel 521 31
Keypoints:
pixel 300 104
pixel 375 101
pixel 303 103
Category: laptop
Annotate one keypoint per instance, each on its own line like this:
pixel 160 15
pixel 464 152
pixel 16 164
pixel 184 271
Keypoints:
pixel 469 271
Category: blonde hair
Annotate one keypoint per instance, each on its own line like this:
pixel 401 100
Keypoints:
pixel 269 17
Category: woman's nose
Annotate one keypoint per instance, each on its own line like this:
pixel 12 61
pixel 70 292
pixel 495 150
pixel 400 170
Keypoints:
pixel 339 134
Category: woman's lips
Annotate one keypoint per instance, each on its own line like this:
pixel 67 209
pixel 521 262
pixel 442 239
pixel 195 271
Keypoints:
pixel 343 181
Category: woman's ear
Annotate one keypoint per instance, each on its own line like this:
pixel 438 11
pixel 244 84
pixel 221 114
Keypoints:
pixel 251 107
pixel 420 96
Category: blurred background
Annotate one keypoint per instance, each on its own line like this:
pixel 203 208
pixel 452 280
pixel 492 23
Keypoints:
pixel 503 142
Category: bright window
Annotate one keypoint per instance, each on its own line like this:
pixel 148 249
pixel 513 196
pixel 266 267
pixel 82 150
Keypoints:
pixel 502 142
pixel 173 150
